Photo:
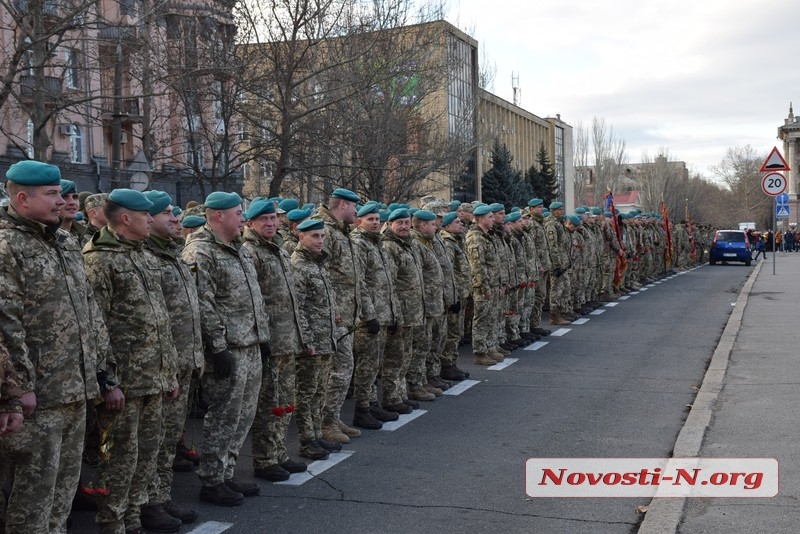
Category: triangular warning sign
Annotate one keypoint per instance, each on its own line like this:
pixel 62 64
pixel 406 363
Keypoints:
pixel 774 162
pixel 783 212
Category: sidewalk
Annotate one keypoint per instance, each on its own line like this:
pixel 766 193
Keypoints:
pixel 747 407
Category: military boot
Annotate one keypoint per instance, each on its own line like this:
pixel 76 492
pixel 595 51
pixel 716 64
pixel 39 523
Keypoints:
pixel 382 415
pixel 313 451
pixel 332 432
pixel 348 430
pixel 496 355
pixel 399 408
pixel 541 331
pixel 482 359
pixel 451 372
pixel 363 418
pixel 221 495
pixel 181 511
pixel 557 319
pixel 156 519
pixel 421 394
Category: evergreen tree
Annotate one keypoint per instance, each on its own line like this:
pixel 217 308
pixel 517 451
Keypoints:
pixel 542 180
pixel 502 182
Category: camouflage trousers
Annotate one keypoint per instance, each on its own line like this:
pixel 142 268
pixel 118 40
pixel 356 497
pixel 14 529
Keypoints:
pixel 609 265
pixel 455 331
pixel 312 379
pixel 559 292
pixel 421 346
pixel 269 430
pixel 500 310
pixel 396 360
pixel 231 409
pixel 340 375
pixel 134 437
pixel 433 362
pixel 484 318
pixel 539 298
pixel 368 355
pixel 174 420
pixel 528 295
pixel 513 312
pixel 577 281
pixel 45 460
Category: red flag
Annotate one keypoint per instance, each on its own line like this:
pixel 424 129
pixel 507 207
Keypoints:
pixel 622 261
pixel 669 249
pixel 693 254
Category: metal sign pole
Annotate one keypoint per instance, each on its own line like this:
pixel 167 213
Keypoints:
pixel 774 232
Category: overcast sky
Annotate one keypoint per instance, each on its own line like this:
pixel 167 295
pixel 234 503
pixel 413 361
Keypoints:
pixel 694 77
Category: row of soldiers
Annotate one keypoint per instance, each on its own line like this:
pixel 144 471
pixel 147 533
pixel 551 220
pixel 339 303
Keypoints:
pixel 278 316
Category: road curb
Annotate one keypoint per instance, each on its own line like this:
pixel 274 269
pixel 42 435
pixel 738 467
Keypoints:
pixel 664 514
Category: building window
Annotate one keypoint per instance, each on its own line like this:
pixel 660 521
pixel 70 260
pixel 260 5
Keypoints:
pixel 72 71
pixel 76 144
pixel 195 153
pixel 30 139
pixel 559 160
pixel 27 57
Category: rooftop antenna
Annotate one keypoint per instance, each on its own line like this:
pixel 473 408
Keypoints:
pixel 516 89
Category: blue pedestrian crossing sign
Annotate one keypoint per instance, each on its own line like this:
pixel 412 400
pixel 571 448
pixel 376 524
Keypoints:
pixel 781 211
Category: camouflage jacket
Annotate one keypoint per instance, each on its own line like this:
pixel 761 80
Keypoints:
pixel 49 319
pixel 458 259
pixel 559 243
pixel 482 261
pixel 503 270
pixel 448 274
pixel 127 282
pixel 275 277
pixel 290 243
pixel 432 282
pixel 405 267
pixel 540 238
pixel 316 299
pixel 610 241
pixel 516 254
pixel 9 385
pixel 183 305
pixel 342 268
pixel 531 254
pixel 378 300
pixel 232 311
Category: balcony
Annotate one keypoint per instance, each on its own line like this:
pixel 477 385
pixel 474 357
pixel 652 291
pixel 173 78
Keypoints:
pixel 128 110
pixel 52 88
pixel 123 34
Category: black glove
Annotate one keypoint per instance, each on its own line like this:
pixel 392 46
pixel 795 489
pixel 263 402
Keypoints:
pixel 266 352
pixel 455 308
pixel 373 326
pixel 223 365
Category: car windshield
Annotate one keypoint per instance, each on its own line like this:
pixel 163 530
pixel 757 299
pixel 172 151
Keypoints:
pixel 730 236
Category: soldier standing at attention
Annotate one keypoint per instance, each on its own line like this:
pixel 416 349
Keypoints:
pixel 180 293
pixel 127 285
pixel 94 213
pixel 347 286
pixel 316 307
pixel 236 334
pixel 559 245
pixel 453 236
pixel 276 399
pixel 55 336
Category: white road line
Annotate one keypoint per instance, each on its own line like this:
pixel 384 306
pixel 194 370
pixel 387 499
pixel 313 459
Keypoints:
pixel 650 285
pixel 211 527
pixel 624 297
pixel 536 346
pixel 611 304
pixel 598 312
pixel 582 320
pixel 659 281
pixel 391 426
pixel 643 289
pixel 502 365
pixel 560 332
pixel 461 387
pixel 316 468
pixel 633 293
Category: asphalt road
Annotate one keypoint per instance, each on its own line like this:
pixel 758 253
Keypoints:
pixel 616 386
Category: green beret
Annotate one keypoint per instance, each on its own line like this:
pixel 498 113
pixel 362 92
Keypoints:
pixel 556 206
pixel 384 215
pixel 345 194
pixel 449 218
pixel 580 211
pixel 176 211
pixel 29 172
pixel 454 205
pixel 288 204
pixel 309 206
pixel 514 216
pixel 369 207
pixel 298 215
pixel 574 219
pixel 412 211
pixel 68 187
pixel 260 207
pixel 597 211
pixel 160 200
pixel 79 216
pixel 608 214
pixel 483 209
pixel 545 213
pixel 394 206
pixel 219 200
pixel 497 207
pixel 193 221
pixel 310 224
pixel 276 200
pixel 425 215
pixel 130 199
pixel 535 202
pixel 399 213
pixel 515 209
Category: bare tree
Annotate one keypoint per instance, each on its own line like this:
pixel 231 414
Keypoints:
pixel 739 172
pixel 609 157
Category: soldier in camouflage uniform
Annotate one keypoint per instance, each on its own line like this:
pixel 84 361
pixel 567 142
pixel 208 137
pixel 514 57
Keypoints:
pixel 452 306
pixel 180 294
pixel 55 337
pixel 11 418
pixel 405 267
pixel 514 239
pixel 559 245
pixel 69 211
pixel 536 209
pixel 127 284
pixel 379 312
pixel 236 335
pixel 277 397
pixel 289 236
pixel 613 251
pixel 316 307
pixel 505 264
pixel 452 235
pixel 482 258
pixel 94 214
pixel 347 287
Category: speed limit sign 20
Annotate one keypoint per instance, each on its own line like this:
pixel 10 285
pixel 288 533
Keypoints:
pixel 773 184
